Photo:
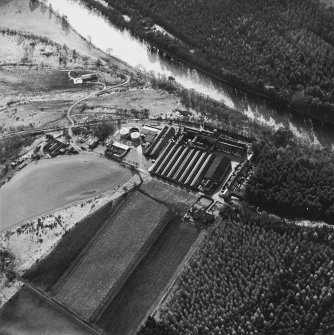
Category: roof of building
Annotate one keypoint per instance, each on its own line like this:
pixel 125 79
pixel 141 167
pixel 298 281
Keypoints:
pixel 120 145
pixel 218 168
pixel 149 138
pixel 147 130
pixel 88 76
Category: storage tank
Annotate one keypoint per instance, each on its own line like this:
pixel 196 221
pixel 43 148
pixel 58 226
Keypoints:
pixel 135 136
pixel 124 132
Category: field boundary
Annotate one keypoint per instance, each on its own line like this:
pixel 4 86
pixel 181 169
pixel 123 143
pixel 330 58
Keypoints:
pixel 77 260
pixel 153 311
pixel 132 267
pixel 55 303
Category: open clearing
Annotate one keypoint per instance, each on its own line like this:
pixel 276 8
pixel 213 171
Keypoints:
pixel 36 114
pixel 159 103
pixel 34 80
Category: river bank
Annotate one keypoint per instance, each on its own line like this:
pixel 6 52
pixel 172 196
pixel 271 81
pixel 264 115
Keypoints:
pixel 292 104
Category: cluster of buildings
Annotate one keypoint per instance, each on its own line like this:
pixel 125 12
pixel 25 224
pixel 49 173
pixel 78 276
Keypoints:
pixel 55 147
pixel 117 150
pixel 195 158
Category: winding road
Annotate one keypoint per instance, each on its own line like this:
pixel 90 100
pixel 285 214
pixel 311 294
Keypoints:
pixel 106 89
pixel 68 114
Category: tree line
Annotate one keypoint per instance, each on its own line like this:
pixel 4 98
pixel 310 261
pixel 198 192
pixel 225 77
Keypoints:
pixel 292 180
pixel 254 275
pixel 281 48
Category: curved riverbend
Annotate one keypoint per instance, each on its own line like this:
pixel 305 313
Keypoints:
pixel 124 46
pixel 47 184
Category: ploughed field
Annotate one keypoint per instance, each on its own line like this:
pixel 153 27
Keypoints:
pixel 114 266
pixel 103 267
pixel 147 284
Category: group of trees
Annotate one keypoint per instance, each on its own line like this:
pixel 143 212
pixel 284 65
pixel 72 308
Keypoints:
pixel 283 48
pixel 293 181
pixel 103 130
pixel 11 147
pixel 211 112
pixel 254 275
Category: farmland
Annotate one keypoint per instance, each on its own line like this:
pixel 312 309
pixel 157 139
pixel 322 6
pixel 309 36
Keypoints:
pixel 143 289
pixel 127 251
pixel 179 200
pixel 111 255
pixel 29 314
pixel 46 273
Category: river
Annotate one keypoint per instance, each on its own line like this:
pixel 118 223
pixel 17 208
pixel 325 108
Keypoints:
pixel 121 44
pixel 47 184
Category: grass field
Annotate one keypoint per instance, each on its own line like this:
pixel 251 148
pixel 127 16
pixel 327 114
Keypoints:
pixel 46 273
pixel 33 79
pixel 159 103
pixel 36 113
pixel 111 256
pixel 179 200
pixel 146 283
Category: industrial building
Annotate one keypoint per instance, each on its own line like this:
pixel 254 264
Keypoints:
pixel 54 147
pixel 194 158
pixel 214 176
pixel 117 151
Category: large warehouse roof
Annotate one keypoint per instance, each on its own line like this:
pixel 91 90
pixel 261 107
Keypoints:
pixel 218 169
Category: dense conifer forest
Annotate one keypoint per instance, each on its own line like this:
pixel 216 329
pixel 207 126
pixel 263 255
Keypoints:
pixel 281 48
pixel 292 180
pixel 254 275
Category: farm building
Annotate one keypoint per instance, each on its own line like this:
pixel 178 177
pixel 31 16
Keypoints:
pixel 89 77
pixel 77 81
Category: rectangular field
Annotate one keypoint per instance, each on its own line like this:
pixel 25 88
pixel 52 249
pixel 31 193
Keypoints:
pixel 112 255
pixel 46 273
pixel 144 287
pixel 177 199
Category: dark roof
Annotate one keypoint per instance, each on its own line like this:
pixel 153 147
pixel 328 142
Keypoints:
pixel 218 169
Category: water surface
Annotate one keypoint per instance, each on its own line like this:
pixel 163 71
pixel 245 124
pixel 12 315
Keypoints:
pixel 136 53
